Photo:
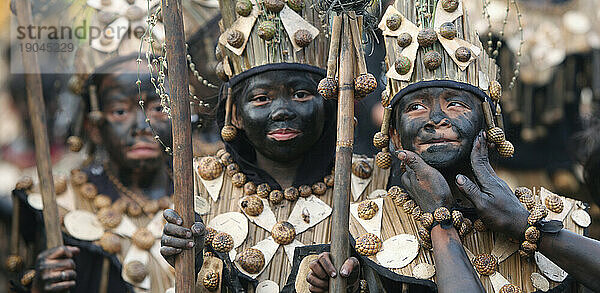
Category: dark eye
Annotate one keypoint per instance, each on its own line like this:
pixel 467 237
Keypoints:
pixel 415 107
pixel 303 95
pixel 119 112
pixel 456 104
pixel 259 100
pixel 157 108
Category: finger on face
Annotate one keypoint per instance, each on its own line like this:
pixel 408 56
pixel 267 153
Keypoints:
pixel 59 287
pixel 59 276
pixel 317 282
pixel 172 217
pixel 177 231
pixel 349 267
pixel 480 160
pixel 167 251
pixel 411 159
pixel 325 262
pixel 175 242
pixel 470 189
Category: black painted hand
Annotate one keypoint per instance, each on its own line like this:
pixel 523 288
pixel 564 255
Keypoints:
pixel 176 238
pixel 55 269
pixel 497 205
pixel 322 269
pixel 425 184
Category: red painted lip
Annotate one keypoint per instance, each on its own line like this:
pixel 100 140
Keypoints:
pixel 283 134
pixel 143 150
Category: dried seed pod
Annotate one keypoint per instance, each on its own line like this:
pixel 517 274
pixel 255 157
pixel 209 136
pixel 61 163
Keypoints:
pixel 251 260
pixel 519 191
pixel 537 213
pixel 393 21
pixel 143 239
pixel 367 209
pixel 404 40
pixel 408 206
pixel 26 183
pixel 296 5
pixel 463 54
pixel 220 71
pixel 427 37
pixel 136 271
pixel 88 190
pixel 496 135
pixel 211 281
pixel 506 149
pixel 291 193
pixel 495 89
pixel 527 200
pixel 235 38
pixel 448 30
pixel 164 202
pixel 528 247
pixel 14 263
pixel 532 234
pixel 305 190
pixel 427 220
pixel 102 201
pixel 78 178
pixel 120 205
pixel 302 38
pixel 554 203
pixel 150 207
pixel 381 140
pixel 328 180
pixel 383 160
pixel 365 84
pixel 209 168
pixel 328 88
pixel 398 195
pixel 427 245
pixel 276 197
pixel 134 210
pixel 228 132
pixel 28 278
pixel 283 233
pixel 465 228
pixel 274 5
pixel 75 143
pixel 243 7
pixel 109 217
pixel 232 169
pixel 510 288
pixel 252 205
pixel 238 179
pixel 220 152
pixel 457 219
pixel 319 188
pixel 263 190
pixel 432 60
pixel 368 244
pixel 403 65
pixel 362 169
pixel 222 242
pixel 442 214
pixel 417 213
pixel 479 226
pixel 209 236
pixel 485 264
pixel 110 242
pixel 424 234
pixel 249 188
pixel 450 5
pixel 266 30
pixel 60 185
pixel 226 159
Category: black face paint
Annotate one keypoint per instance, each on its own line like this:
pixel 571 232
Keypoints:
pixel 125 133
pixel 439 124
pixel 281 114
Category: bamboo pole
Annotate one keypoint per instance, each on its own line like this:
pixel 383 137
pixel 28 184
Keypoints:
pixel 340 248
pixel 37 114
pixel 182 135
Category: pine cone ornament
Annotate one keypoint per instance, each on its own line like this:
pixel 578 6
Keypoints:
pixel 249 188
pixel 77 178
pixel 88 190
pixel 136 271
pixel 442 214
pixel 462 54
pixel 291 193
pixel 26 183
pixel 274 6
pixel 283 233
pixel 367 209
pixel 495 89
pixel 220 71
pixel 368 244
pixel 329 180
pixel 519 191
pixel 134 210
pixel 532 234
pixel 228 133
pixel 243 7
pixel 479 226
pixel 226 159
pixel 235 39
pixel 362 169
pixel 398 195
pixel 328 88
pixel 28 278
pixel 14 263
pixel 450 5
pixel 465 228
pixel 427 245
pixel 102 201
pixel 537 213
pixel 554 203
pixel 527 200
pixel 60 185
pixel 381 140
pixel 276 197
pixel 427 37
pixel 252 260
pixel 263 190
pixel 427 220
pixel 109 218
pixel 231 169
pixel 510 288
pixel 110 243
pixel 266 30
pixel 424 234
pixel 209 236
pixel 408 206
pixel 365 84
pixel 432 60
pixel 75 143
pixel 457 219
pixel 143 239
pixel 211 281
pixel 404 40
pixel 528 247
pixel 496 135
pixel 220 152
pixel 302 38
pixel 150 207
pixel 403 65
pixel 319 188
pixel 393 21
pixel 305 190
pixel 238 179
pixel 383 160
pixel 296 5
pixel 417 213
pixel 448 30
pixel 485 264
pixel 209 168
pixel 120 205
pixel 506 149
pixel 222 242
pixel 252 205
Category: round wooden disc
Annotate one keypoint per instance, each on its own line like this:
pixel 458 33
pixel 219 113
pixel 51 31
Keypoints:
pixel 83 225
pixel 581 218
pixel 267 286
pixel 540 282
pixel 35 201
pixel 398 251
pixel 423 271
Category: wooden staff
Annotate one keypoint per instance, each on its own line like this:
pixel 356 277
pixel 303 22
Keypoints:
pixel 37 114
pixel 182 135
pixel 340 246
